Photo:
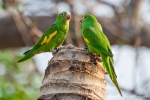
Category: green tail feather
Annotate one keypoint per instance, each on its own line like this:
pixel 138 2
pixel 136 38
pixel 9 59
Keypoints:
pixel 108 64
pixel 28 55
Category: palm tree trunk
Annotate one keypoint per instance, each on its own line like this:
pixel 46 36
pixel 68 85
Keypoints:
pixel 73 74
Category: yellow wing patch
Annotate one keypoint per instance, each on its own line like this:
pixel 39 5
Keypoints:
pixel 47 39
pixel 86 40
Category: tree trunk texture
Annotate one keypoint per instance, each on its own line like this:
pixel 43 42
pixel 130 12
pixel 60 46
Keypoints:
pixel 73 74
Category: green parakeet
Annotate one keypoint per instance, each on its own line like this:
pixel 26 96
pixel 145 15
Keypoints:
pixel 98 43
pixel 52 38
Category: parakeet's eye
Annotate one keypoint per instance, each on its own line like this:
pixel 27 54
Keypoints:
pixel 85 17
pixel 62 14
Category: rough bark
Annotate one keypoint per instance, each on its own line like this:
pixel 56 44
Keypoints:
pixel 73 74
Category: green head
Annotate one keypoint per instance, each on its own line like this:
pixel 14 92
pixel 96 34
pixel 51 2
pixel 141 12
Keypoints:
pixel 63 20
pixel 88 20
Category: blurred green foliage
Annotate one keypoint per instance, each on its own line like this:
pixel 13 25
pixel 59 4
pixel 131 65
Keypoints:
pixel 3 5
pixel 18 81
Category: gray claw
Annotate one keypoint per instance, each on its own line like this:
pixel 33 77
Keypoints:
pixel 55 51
pixel 86 48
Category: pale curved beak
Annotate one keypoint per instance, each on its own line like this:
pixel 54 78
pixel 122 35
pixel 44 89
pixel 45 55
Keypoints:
pixel 68 16
pixel 81 20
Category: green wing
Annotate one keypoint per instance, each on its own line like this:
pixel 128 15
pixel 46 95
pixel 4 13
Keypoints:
pixel 51 31
pixel 97 40
pixel 45 38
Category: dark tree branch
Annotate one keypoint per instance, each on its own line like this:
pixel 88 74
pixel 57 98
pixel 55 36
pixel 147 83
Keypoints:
pixel 10 37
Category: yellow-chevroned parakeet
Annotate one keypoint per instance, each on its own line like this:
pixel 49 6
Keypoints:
pixel 52 38
pixel 98 43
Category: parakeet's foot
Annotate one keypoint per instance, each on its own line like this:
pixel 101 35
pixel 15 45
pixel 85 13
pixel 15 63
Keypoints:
pixel 56 50
pixel 86 48
pixel 105 71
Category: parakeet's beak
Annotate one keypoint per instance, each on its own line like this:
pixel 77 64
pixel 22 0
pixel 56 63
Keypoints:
pixel 81 20
pixel 68 16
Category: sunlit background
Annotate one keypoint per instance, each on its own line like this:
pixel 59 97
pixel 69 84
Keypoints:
pixel 125 22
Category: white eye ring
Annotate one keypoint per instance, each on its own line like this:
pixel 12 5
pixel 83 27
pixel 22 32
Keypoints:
pixel 62 14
